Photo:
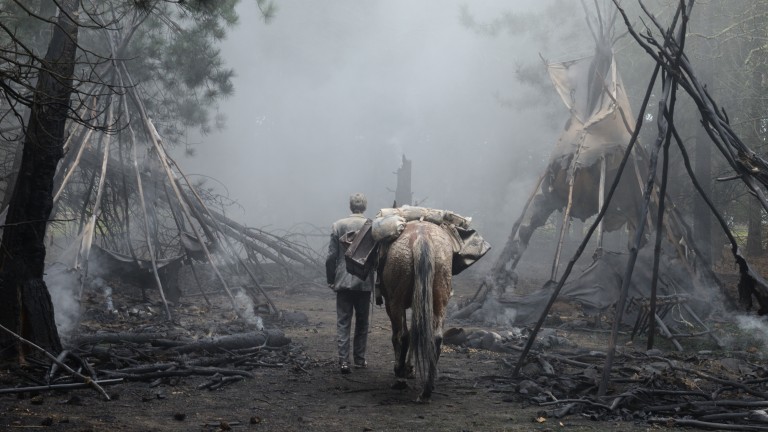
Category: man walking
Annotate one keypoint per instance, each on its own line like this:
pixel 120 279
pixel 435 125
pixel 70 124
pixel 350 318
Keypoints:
pixel 353 295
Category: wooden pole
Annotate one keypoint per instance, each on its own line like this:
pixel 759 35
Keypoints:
pixel 601 202
pixel 509 253
pixel 140 187
pixel 659 234
pixel 564 227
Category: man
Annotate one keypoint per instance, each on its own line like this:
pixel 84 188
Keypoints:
pixel 353 294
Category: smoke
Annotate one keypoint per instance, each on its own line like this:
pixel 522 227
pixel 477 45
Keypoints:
pixel 494 313
pixel 245 309
pixel 63 286
pixel 755 330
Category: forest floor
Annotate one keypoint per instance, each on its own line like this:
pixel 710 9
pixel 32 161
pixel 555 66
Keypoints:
pixel 471 393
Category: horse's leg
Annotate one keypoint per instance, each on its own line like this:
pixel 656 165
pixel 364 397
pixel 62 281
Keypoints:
pixel 403 365
pixel 410 372
pixel 440 312
pixel 399 342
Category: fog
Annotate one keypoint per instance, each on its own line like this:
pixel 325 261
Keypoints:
pixel 330 95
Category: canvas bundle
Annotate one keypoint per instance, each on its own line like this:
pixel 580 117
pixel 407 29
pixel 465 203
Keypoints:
pixel 388 227
pixel 439 217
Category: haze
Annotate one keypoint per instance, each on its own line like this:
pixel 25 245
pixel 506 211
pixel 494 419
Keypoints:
pixel 330 95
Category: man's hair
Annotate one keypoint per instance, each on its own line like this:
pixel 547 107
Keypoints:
pixel 357 203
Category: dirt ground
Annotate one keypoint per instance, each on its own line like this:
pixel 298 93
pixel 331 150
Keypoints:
pixel 469 395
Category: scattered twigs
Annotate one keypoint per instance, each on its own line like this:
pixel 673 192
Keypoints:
pixel 218 381
pixel 649 385
pixel 560 358
pixel 86 380
pixel 706 376
pixel 156 360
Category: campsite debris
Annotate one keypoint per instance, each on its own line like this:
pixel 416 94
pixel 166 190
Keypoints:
pixel 208 342
pixel 700 389
pixel 226 359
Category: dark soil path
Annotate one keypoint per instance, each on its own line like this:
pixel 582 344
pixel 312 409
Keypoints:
pixel 470 395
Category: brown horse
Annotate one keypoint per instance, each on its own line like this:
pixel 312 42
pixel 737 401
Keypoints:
pixel 417 275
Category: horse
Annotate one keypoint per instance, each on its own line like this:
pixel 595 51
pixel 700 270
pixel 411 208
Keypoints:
pixel 417 274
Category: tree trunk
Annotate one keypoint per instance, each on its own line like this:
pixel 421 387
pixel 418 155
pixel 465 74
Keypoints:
pixel 702 215
pixel 25 304
pixel 755 229
pixel 403 194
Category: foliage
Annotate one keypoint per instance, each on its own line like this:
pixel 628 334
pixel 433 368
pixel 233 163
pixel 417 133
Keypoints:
pixel 728 44
pixel 170 49
pixel 552 28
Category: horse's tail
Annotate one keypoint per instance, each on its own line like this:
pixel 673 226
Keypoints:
pixel 422 341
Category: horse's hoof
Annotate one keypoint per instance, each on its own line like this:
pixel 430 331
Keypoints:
pixel 423 399
pixel 410 372
pixel 399 385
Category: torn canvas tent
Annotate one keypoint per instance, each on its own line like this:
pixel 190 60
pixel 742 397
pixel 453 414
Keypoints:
pixel 585 159
pixel 596 289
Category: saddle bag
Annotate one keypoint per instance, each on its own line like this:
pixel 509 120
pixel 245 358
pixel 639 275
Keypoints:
pixel 471 247
pixel 361 252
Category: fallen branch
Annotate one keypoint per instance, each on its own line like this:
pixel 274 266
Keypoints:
pixel 173 372
pixel 219 381
pixel 119 338
pixel 59 387
pixel 704 404
pixel 86 380
pixel 236 341
pixel 669 421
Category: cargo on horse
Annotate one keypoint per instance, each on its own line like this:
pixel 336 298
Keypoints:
pixel 417 275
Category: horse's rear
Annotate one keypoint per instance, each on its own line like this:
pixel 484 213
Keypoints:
pixel 417 275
